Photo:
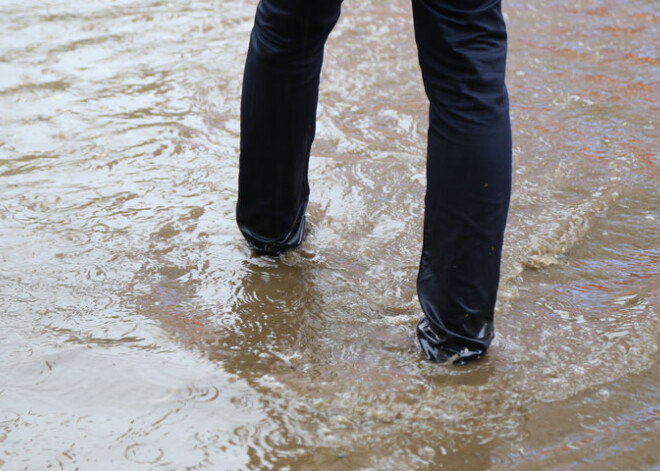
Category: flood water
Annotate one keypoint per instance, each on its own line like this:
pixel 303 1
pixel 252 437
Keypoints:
pixel 139 332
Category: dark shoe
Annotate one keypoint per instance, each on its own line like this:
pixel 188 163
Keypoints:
pixel 436 346
pixel 293 240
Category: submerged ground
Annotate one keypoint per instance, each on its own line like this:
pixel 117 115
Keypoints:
pixel 138 332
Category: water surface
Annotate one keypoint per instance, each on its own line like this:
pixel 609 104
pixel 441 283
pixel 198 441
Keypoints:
pixel 139 332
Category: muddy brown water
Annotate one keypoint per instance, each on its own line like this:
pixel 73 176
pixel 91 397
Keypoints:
pixel 138 332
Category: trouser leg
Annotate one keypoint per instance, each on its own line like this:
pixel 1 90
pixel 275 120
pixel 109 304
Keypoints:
pixel 462 53
pixel 278 114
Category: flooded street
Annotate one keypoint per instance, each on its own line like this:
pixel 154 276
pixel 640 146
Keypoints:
pixel 139 332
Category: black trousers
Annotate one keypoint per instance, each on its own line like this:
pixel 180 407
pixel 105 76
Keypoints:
pixel 462 54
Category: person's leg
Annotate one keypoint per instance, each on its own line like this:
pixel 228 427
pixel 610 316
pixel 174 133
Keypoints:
pixel 462 53
pixel 278 119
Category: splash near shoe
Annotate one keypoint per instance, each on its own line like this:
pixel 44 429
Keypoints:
pixel 274 248
pixel 436 346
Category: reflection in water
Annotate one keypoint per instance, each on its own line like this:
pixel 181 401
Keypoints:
pixel 139 332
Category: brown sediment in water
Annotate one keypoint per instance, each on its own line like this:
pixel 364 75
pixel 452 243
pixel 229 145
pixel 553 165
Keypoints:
pixel 139 332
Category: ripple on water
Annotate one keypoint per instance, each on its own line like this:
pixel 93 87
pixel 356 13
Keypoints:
pixel 31 374
pixel 143 453
pixel 9 421
pixel 196 393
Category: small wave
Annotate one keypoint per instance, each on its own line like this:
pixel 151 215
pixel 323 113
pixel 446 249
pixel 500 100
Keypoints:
pixel 560 236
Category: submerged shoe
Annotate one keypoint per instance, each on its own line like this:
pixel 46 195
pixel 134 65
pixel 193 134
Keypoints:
pixel 293 240
pixel 436 346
